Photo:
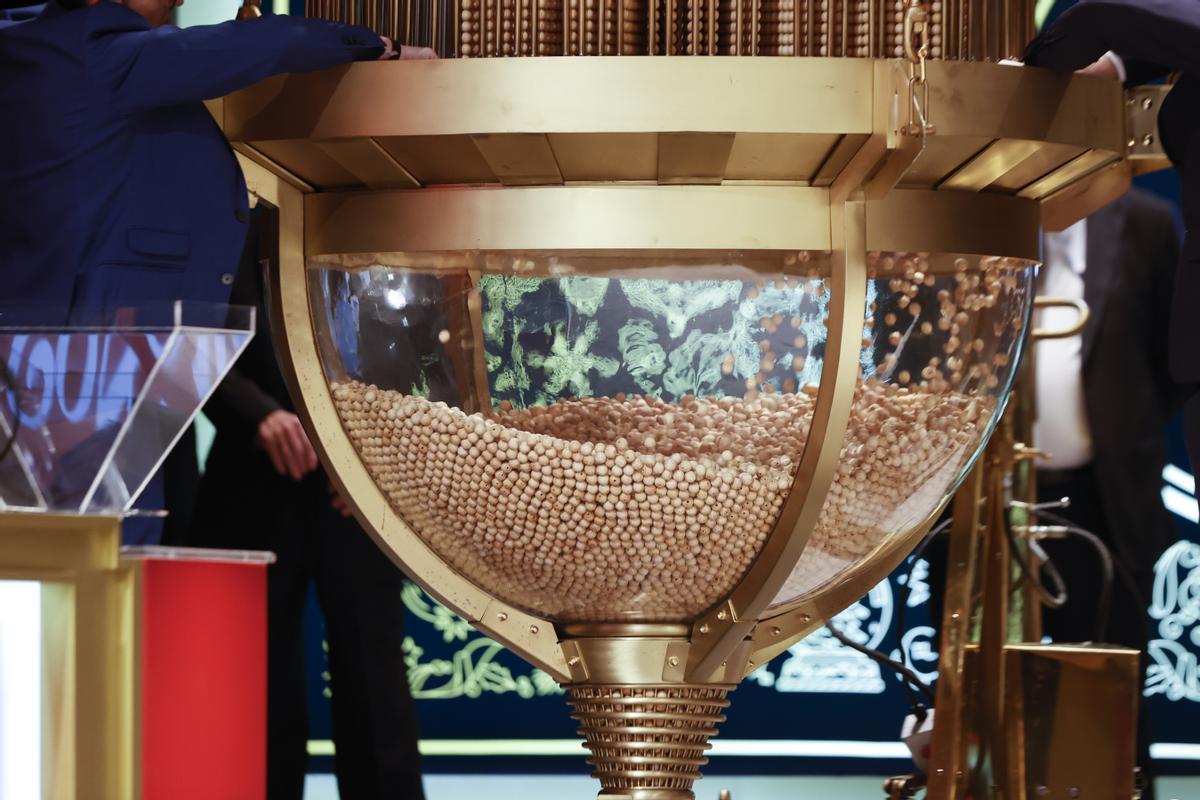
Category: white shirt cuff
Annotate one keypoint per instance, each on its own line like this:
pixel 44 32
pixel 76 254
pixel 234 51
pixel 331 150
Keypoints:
pixel 1118 64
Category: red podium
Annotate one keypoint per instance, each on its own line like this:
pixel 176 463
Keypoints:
pixel 201 637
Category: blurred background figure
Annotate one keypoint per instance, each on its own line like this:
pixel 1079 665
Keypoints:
pixel 1104 400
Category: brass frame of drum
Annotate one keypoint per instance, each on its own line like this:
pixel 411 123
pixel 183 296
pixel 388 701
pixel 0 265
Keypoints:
pixel 613 155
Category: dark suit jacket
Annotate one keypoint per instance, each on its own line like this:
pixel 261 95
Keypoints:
pixel 1130 396
pixel 117 188
pixel 1154 37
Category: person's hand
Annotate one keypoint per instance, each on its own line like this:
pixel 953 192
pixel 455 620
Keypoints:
pixel 389 49
pixel 1107 66
pixel 404 52
pixel 287 445
pixel 1104 68
pixel 339 504
pixel 417 53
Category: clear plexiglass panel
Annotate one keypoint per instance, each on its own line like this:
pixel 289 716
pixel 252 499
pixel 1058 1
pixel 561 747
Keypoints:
pixel 88 414
pixel 941 339
pixel 613 438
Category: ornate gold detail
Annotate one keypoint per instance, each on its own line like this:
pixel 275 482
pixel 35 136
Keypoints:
pixel 648 741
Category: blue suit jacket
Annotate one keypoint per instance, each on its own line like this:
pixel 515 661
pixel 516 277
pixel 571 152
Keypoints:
pixel 117 188
pixel 19 13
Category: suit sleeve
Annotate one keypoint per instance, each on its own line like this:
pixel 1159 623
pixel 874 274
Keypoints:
pixel 1153 36
pixel 1164 238
pixel 240 403
pixel 142 68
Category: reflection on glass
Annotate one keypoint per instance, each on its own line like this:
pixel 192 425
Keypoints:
pixel 88 414
pixel 603 438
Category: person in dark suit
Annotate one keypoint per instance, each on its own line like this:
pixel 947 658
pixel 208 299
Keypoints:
pixel 117 188
pixel 20 11
pixel 1104 401
pixel 263 489
pixel 118 191
pixel 1139 41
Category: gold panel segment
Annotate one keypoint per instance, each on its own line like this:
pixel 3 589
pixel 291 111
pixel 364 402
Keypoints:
pixel 597 157
pixel 1046 160
pixel 999 159
pixel 304 157
pixel 1072 715
pixel 369 163
pixel 693 158
pixel 572 218
pixel 1086 196
pixel 779 156
pixel 519 159
pixel 573 95
pixel 941 157
pixel 434 160
pixel 1068 174
pixel 661 218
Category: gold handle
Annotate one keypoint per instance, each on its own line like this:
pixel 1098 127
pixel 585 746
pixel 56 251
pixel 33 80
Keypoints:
pixel 1061 302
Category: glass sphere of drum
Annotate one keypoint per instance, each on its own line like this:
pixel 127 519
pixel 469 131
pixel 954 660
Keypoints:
pixel 613 437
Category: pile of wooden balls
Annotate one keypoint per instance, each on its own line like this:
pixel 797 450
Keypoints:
pixel 597 509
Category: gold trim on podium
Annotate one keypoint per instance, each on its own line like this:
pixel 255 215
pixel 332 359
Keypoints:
pixel 89 652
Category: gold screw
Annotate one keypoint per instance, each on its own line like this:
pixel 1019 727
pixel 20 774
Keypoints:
pixel 1147 103
pixel 502 616
pixel 721 615
pixel 776 631
pixel 533 629
pixel 673 661
pixel 704 629
pixel 573 661
pixel 805 618
pixel 1148 139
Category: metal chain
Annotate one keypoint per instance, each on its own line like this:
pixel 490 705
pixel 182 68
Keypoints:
pixel 916 51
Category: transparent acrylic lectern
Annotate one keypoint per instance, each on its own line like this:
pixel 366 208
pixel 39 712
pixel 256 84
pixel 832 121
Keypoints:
pixel 87 415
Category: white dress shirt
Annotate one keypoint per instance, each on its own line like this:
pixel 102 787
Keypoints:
pixel 1061 427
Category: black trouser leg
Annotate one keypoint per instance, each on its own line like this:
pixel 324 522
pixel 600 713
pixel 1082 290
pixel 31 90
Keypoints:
pixel 1080 567
pixel 374 717
pixel 287 698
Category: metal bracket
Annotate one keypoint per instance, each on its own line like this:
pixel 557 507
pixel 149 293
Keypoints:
pixel 1143 144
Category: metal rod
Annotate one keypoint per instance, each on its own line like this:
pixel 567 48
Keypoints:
pixel 581 34
pixel 737 43
pixel 797 10
pixel 620 27
pixel 754 22
pixel 712 27
pixel 845 28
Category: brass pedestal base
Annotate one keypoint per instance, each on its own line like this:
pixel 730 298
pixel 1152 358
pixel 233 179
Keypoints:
pixel 648 742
